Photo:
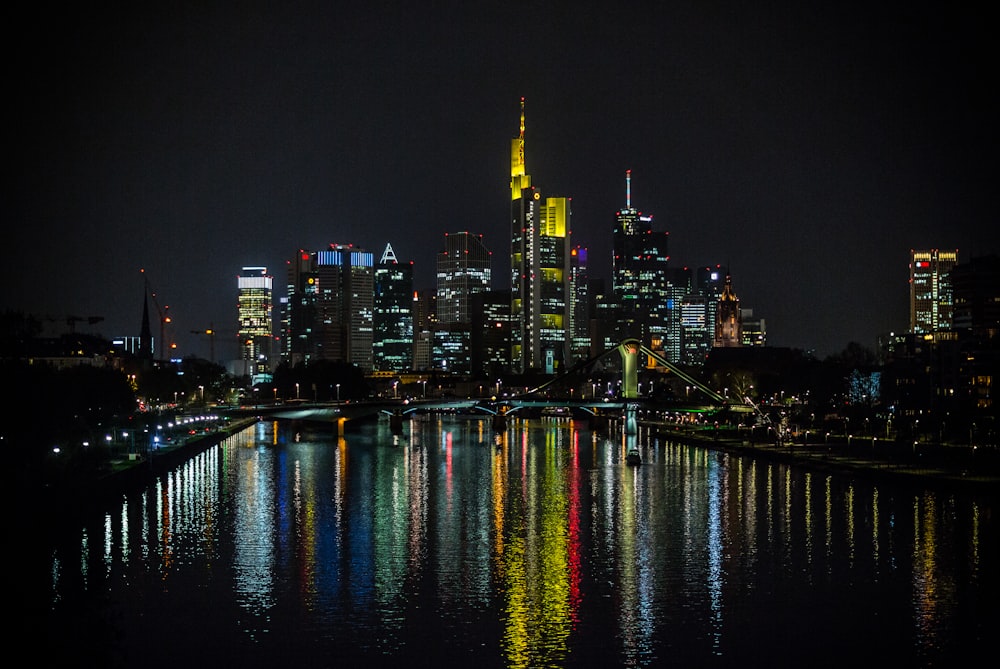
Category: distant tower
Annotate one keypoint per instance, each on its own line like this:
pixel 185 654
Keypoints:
pixel 539 271
pixel 728 318
pixel 930 290
pixel 145 350
pixel 641 281
pixel 392 346
pixel 255 329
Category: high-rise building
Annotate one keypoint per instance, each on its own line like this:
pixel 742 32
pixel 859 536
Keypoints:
pixel 696 337
pixel 754 329
pixel 490 332
pixel 930 290
pixel 976 290
pixel 256 325
pixel 699 313
pixel 424 324
pixel 329 307
pixel 540 271
pixel 463 269
pixel 640 277
pixel 579 315
pixel 392 342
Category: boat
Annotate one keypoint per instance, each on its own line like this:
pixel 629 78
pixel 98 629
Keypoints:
pixel 633 457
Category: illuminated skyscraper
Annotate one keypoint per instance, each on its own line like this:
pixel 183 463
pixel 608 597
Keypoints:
pixel 641 281
pixel 392 343
pixel 328 314
pixel 463 269
pixel 579 304
pixel 255 329
pixel 930 290
pixel 540 271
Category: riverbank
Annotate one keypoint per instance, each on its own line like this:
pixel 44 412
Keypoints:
pixel 128 474
pixel 923 464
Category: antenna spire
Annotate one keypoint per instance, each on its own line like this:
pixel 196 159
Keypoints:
pixel 628 189
pixel 522 119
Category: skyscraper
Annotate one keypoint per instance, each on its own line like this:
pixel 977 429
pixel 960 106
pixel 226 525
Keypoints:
pixel 579 304
pixel 640 279
pixel 540 271
pixel 463 269
pixel 328 314
pixel 392 342
pixel 930 290
pixel 256 326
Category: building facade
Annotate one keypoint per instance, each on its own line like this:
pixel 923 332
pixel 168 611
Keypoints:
pixel 540 271
pixel 328 311
pixel 392 316
pixel 930 290
pixel 255 330
pixel 640 275
pixel 728 318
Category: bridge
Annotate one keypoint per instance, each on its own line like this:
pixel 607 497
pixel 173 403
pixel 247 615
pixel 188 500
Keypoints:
pixel 544 398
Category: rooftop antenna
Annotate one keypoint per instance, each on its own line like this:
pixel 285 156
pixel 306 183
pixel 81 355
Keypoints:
pixel 521 137
pixel 628 189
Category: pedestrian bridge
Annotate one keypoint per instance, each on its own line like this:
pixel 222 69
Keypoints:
pixel 544 399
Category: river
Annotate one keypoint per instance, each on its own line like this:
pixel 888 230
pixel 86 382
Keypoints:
pixel 448 545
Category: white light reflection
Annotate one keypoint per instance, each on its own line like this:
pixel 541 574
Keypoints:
pixel 715 552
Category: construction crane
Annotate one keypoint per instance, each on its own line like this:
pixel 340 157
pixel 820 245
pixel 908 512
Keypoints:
pixel 210 333
pixel 71 321
pixel 162 314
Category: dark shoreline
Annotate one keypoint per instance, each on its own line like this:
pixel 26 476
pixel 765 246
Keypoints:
pixel 930 466
pixel 60 502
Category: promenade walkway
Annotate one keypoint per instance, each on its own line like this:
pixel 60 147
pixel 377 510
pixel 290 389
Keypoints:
pixel 922 463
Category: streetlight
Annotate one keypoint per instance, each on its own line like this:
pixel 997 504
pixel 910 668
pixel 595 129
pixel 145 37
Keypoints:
pixel 338 392
pixel 395 391
pixel 425 388
pixel 296 391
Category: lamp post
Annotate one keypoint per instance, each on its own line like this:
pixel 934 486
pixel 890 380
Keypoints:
pixel 338 392
pixel 424 382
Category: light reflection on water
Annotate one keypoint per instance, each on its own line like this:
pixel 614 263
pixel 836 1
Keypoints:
pixel 534 547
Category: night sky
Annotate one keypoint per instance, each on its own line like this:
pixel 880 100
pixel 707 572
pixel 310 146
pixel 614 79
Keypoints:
pixel 809 146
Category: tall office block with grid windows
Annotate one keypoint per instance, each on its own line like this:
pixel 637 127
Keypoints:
pixel 930 290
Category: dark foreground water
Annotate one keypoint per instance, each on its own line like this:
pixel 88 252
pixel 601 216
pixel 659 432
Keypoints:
pixel 286 546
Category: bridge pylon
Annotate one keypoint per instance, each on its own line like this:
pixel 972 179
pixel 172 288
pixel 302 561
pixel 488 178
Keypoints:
pixel 629 350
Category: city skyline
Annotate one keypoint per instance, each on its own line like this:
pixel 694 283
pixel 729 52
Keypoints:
pixel 806 149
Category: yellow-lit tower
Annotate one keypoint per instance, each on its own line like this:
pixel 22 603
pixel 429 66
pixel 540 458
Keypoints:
pixel 540 270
